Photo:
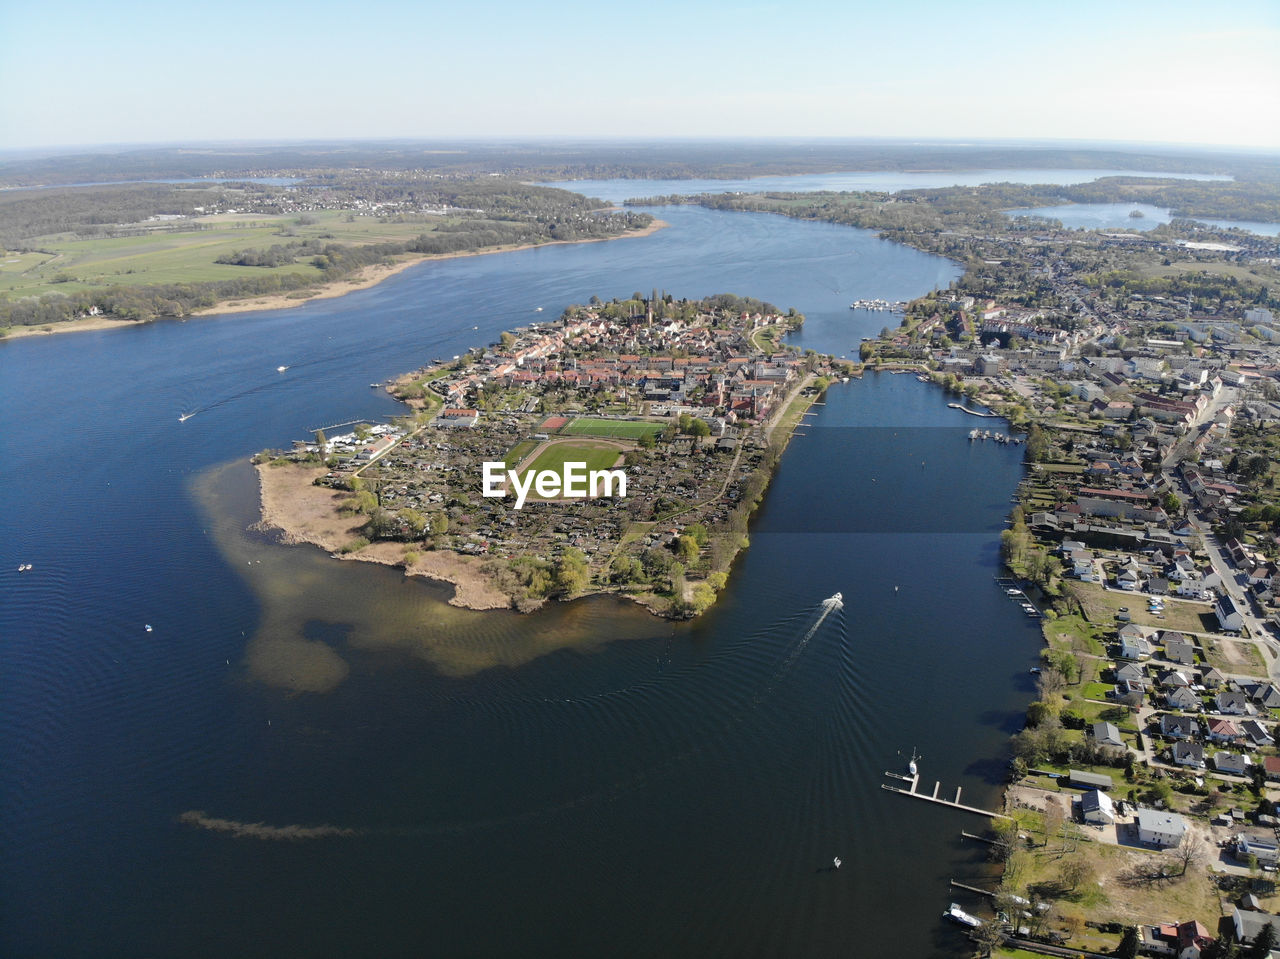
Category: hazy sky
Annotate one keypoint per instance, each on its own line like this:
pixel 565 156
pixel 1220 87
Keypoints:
pixel 89 71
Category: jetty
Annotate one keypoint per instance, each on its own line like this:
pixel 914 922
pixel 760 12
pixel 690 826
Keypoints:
pixel 964 409
pixel 914 781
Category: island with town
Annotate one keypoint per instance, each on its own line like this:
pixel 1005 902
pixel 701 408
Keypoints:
pixel 651 425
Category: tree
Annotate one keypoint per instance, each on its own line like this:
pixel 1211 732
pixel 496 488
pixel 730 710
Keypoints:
pixel 1128 948
pixel 1075 872
pixel 571 572
pixel 1189 852
pixel 687 549
pixel 1263 943
pixel 989 936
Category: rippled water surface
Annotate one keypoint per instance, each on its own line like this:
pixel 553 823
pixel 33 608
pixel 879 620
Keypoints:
pixel 587 780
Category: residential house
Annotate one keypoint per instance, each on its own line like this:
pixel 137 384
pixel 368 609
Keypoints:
pixel 1256 732
pixel 1261 847
pixel 1160 827
pixel 1081 561
pixel 1222 731
pixel 1134 647
pixel 1246 924
pixel 1181 697
pixel 1188 754
pixel 1264 694
pixel 1232 703
pixel 1135 642
pixel 1212 678
pixel 1106 734
pixel 1236 764
pixel 1185 940
pixel 1178 649
pixel 1179 727
pixel 1230 619
pixel 1131 673
pixel 1271 766
pixel 1097 807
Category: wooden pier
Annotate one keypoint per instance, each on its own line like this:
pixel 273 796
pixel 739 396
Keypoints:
pixel 974 889
pixel 934 798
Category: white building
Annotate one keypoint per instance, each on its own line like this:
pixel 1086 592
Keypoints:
pixel 1159 827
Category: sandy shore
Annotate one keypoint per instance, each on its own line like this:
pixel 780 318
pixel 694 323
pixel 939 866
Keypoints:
pixel 306 513
pixel 362 280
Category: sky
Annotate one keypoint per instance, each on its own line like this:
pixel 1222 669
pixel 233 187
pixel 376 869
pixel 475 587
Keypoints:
pixel 85 72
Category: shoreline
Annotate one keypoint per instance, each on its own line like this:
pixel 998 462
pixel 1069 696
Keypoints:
pixel 305 513
pixel 363 279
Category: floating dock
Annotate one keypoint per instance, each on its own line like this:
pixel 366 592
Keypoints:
pixel 914 781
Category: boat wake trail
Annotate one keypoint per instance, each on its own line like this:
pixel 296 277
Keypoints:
pixel 758 671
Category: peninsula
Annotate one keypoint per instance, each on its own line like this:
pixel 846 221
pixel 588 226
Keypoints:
pixel 90 257
pixel 687 403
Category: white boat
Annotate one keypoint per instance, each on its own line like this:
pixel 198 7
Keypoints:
pixel 912 769
pixel 185 416
pixel 537 309
pixel 835 602
pixel 281 369
pixel 956 914
pixel 836 862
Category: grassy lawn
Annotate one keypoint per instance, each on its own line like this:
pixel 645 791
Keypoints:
pixel 519 452
pixel 187 255
pixel 1075 634
pixel 587 426
pixel 1096 690
pixel 597 456
pixel 1101 605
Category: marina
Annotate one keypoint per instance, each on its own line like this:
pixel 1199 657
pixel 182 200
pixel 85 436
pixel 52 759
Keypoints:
pixel 1001 438
pixel 879 305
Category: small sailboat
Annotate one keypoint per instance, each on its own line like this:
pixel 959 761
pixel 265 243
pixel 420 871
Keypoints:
pixel 912 769
pixel 835 863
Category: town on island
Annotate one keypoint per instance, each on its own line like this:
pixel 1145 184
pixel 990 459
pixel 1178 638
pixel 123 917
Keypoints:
pixel 619 448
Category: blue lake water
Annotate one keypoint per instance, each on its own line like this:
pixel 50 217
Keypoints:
pixel 1115 216
pixel 889 181
pixel 587 780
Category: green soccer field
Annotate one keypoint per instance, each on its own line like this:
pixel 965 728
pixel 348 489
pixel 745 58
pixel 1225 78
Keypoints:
pixel 596 456
pixel 586 426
